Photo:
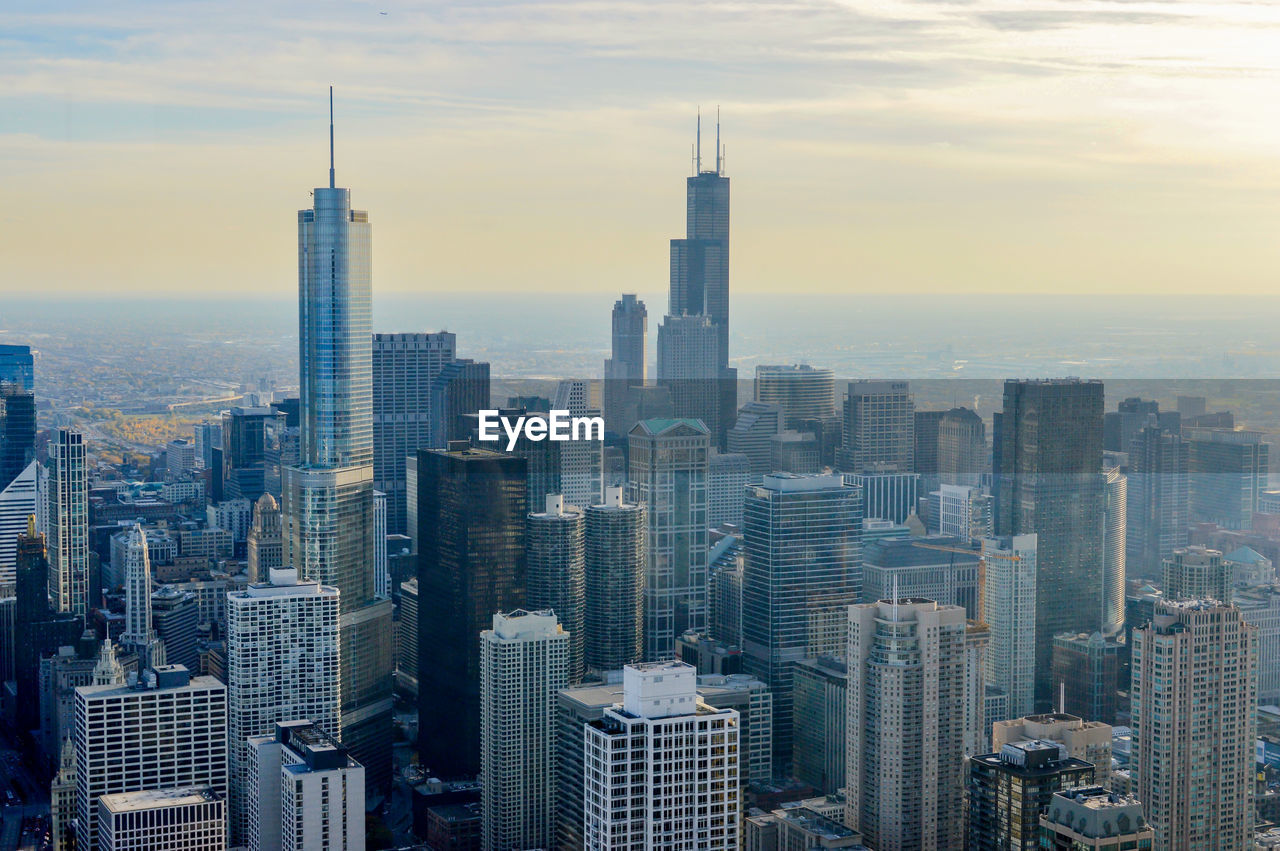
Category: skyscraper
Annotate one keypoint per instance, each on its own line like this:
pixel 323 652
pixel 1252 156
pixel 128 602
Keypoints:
pixel 404 368
pixel 581 461
pixel 803 392
pixel 627 367
pixel 37 628
pixel 904 730
pixel 962 448
pixel 554 543
pixel 471 564
pixel 250 451
pixel 176 737
pixel 1050 439
pixel 803 552
pixel 1009 605
pixel 879 428
pixel 282 664
pixel 460 388
pixel 661 724
pixel 1197 573
pixel 1194 698
pixel 69 523
pixel 139 635
pixel 18 502
pixel 614 581
pixel 1115 486
pixel 700 261
pixel 265 541
pixel 328 498
pixel 688 367
pixel 1228 470
pixel 669 461
pixel 728 474
pixel 17 430
pixel 524 662
pixel 820 704
pixel 17 366
pixel 752 435
pixel 1159 500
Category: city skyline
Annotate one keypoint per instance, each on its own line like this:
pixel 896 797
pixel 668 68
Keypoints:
pixel 1038 148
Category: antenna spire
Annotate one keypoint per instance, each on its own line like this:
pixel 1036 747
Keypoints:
pixel 698 154
pixel 331 183
pixel 718 169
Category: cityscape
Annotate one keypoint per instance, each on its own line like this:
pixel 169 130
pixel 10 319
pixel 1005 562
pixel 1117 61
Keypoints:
pixel 625 569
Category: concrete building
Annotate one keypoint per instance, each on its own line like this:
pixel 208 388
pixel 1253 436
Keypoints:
pixel 944 569
pixel 175 617
pixel 879 428
pixel 668 475
pixel 627 366
pixel 752 435
pixel 613 620
pixel 1193 697
pixel 727 477
pixel 1114 526
pixel 524 663
pixel 1228 472
pixel 961 512
pixel 1197 573
pixel 904 733
pixel 582 460
pixel 175 737
pixel 1009 610
pixel 661 722
pixel 556 559
pixel 1009 790
pixel 265 541
pixel 162 820
pixel 306 791
pixel 1261 607
pixel 1093 819
pixel 753 701
pixel 803 558
pixel 68 523
pixel 1089 741
pixel 795 452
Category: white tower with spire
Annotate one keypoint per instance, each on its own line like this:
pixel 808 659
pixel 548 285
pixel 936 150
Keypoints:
pixel 138 634
pixel 108 671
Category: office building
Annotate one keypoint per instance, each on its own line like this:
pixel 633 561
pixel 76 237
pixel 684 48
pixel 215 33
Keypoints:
pixel 925 452
pixel 1228 472
pixel 60 674
pixel 1197 573
pixel 265 541
pixel 753 701
pixel 175 737
pixel 162 820
pixel 17 430
pixel 306 792
pixel 962 512
pixel 69 523
pixel 1159 499
pixel 944 569
pixel 524 663
pixel 879 428
pixel 803 549
pixel 206 436
pixel 700 261
pixel 17 365
pixel 250 451
pixel 18 501
pixel 728 474
pixel 62 800
pixel 614 568
pixel 1193 702
pixel 627 366
pixel 688 367
pixel 38 629
pixel 180 457
pixel 795 452
pixel 282 657
pixel 904 728
pixel 963 456
pixel 668 475
pixel 471 563
pixel 752 435
pixel 175 617
pixel 556 565
pixel 1088 741
pixel 819 705
pixel 460 389
pixel 1049 437
pixel 139 636
pixel 407 640
pixel 1086 675
pixel 803 392
pixel 887 496
pixel 661 722
pixel 1114 526
pixel 581 460
pixel 1009 604
pixel 1091 818
pixel 1010 789
pixel 977 694
pixel 404 368
pixel 328 504
pixel 1261 607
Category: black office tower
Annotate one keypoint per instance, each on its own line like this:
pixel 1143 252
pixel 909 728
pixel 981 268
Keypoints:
pixel 1050 444
pixel 471 564
pixel 38 629
pixel 17 431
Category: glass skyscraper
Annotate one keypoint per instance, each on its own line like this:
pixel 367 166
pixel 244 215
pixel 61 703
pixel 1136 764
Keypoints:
pixel 328 498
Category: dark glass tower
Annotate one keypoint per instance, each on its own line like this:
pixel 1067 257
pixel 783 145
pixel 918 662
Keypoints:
pixel 471 564
pixel 17 431
pixel 1050 455
pixel 38 629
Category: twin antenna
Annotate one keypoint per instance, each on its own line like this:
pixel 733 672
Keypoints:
pixel 697 148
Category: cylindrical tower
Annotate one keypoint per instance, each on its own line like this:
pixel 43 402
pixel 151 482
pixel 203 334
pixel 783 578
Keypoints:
pixel 615 556
pixel 556 572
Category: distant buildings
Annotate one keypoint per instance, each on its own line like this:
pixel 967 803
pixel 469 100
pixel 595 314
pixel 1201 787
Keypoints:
pixel 1086 675
pixel 752 435
pixel 627 366
pixel 879 428
pixel 1159 499
pixel 1228 472
pixel 728 474
pixel 803 392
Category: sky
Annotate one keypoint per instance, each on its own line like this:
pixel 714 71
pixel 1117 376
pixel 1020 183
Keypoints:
pixel 879 146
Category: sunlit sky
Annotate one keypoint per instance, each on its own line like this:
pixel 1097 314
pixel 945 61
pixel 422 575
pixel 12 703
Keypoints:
pixel 874 145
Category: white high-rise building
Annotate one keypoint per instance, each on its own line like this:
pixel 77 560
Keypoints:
pixel 581 461
pixel 282 664
pixel 905 728
pixel 68 523
pixel 17 503
pixel 1194 701
pixel 680 760
pixel 1009 604
pixel 162 820
pixel 524 662
pixel 168 731
pixel 728 474
pixel 306 792
pixel 138 633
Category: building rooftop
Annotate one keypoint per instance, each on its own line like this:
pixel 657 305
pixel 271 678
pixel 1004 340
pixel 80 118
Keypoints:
pixel 149 799
pixel 814 823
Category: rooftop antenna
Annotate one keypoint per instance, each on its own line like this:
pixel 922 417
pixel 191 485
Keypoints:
pixel 331 183
pixel 718 170
pixel 698 155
